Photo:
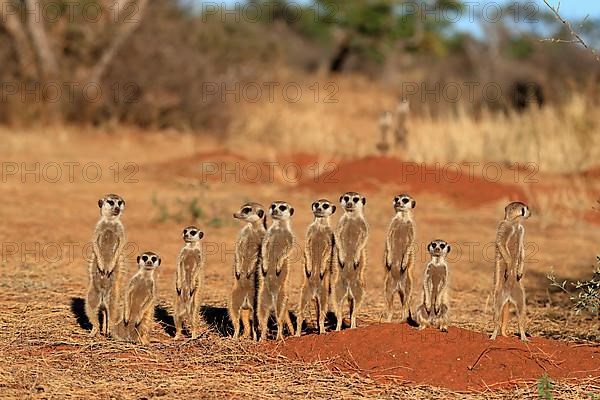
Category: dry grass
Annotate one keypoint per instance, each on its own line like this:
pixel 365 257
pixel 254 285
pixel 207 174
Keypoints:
pixel 45 351
pixel 556 138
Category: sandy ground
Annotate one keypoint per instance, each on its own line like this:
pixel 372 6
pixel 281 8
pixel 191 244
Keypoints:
pixel 51 185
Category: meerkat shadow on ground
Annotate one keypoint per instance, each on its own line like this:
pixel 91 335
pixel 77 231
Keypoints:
pixel 165 319
pixel 78 310
pixel 217 318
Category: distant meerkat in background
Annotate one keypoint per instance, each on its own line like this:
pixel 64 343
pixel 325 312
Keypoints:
pixel 510 261
pixel 138 312
pixel 276 250
pixel 189 282
pixel 351 237
pixel 385 125
pixel 318 258
pixel 402 114
pixel 245 266
pixel 106 265
pixel 434 310
pixel 400 257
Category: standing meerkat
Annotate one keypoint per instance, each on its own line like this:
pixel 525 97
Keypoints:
pixel 189 282
pixel 139 301
pixel 106 265
pixel 434 310
pixel 351 248
pixel 245 266
pixel 400 257
pixel 318 258
pixel 510 261
pixel 276 250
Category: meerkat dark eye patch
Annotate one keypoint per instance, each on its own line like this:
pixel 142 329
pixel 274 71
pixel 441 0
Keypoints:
pixel 273 206
pixel 405 200
pixel 260 213
pixel 433 245
pixel 325 206
pixel 523 211
pixel 185 231
pixel 315 205
pixel 110 202
pixel 144 258
pixel 120 203
pixel 246 210
pixel 356 199
pixel 346 199
pixel 442 246
pixel 193 233
pixel 154 259
pixel 282 208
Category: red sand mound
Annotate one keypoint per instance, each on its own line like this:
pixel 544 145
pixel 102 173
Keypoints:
pixel 459 182
pixel 459 360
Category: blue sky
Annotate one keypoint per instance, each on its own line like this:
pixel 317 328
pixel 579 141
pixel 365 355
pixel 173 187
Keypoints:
pixel 575 9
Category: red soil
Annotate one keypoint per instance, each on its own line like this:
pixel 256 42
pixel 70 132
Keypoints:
pixel 459 360
pixel 458 182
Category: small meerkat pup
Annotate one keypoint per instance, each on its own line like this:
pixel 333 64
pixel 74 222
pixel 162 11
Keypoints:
pixel 318 258
pixel 434 310
pixel 106 265
pixel 139 301
pixel 276 250
pixel 351 237
pixel 510 262
pixel 400 257
pixel 189 282
pixel 245 266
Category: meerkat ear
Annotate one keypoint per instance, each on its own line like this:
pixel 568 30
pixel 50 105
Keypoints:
pixel 138 259
pixel 333 208
pixel 100 203
pixel 291 211
pixel 414 203
pixel 429 247
pixel 200 235
pixel 449 248
pixel 364 200
pixel 159 261
pixel 523 211
pixel 260 213
pixel 341 198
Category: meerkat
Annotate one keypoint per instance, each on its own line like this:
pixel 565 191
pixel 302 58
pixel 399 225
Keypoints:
pixel 139 301
pixel 106 265
pixel 402 114
pixel 276 250
pixel 351 237
pixel 434 309
pixel 400 257
pixel 510 262
pixel 245 266
pixel 189 282
pixel 385 124
pixel 318 258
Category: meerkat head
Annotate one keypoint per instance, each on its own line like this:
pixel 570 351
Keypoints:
pixel 438 248
pixel 251 212
pixel 323 208
pixel 352 201
pixel 148 260
pixel 403 202
pixel 385 119
pixel 111 206
pixel 515 210
pixel 281 210
pixel 191 234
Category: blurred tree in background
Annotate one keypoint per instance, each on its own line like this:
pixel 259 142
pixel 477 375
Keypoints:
pixel 153 59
